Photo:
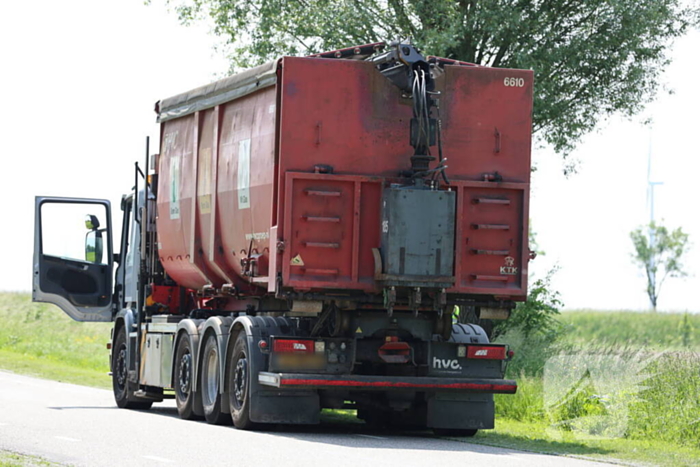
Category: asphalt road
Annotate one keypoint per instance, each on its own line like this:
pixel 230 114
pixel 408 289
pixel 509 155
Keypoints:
pixel 78 425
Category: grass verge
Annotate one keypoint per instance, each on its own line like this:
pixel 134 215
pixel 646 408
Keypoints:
pixel 537 437
pixel 50 368
pixel 13 459
pixel 40 340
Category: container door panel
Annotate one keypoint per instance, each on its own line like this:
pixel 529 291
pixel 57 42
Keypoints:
pixel 176 203
pixel 487 122
pixel 491 241
pixel 321 231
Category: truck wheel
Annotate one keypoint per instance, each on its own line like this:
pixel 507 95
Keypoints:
pixel 209 383
pixel 186 398
pixel 239 388
pixel 455 432
pixel 120 376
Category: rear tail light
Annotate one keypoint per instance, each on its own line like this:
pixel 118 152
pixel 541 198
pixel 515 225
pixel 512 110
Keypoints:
pixel 293 346
pixel 395 352
pixel 487 353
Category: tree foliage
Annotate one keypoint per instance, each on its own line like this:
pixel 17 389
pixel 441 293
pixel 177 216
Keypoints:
pixel 591 58
pixel 660 253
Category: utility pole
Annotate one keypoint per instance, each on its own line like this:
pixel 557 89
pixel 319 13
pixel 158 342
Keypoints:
pixel 650 186
pixel 650 199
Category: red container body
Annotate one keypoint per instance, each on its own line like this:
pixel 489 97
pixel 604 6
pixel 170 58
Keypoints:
pixel 282 187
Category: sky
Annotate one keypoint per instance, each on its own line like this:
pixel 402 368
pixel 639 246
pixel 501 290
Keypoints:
pixel 80 79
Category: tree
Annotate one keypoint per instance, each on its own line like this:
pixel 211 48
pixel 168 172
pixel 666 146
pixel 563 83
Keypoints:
pixel 591 58
pixel 660 253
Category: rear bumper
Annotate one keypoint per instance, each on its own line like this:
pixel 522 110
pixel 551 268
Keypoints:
pixel 386 383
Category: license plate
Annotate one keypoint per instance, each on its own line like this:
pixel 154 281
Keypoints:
pixel 299 361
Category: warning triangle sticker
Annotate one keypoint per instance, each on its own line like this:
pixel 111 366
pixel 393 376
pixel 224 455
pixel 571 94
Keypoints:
pixel 359 330
pixel 297 261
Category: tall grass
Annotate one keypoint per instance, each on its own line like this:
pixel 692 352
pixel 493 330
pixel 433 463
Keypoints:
pixel 663 403
pixel 669 407
pixel 44 334
pixel 526 405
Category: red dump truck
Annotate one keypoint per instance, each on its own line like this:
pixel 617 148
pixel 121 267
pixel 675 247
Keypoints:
pixel 302 240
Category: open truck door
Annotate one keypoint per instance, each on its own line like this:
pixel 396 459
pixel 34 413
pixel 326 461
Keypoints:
pixel 73 256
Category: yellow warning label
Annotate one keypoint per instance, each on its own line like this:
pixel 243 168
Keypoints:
pixel 359 330
pixel 297 261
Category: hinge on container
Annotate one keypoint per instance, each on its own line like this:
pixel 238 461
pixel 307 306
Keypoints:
pixel 440 302
pixel 323 168
pixel 494 177
pixel 415 297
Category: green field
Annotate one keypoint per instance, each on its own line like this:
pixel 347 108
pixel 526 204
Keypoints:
pixel 629 329
pixel 657 421
pixel 39 339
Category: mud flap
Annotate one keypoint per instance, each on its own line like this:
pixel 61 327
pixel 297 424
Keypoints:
pixel 299 407
pixel 461 411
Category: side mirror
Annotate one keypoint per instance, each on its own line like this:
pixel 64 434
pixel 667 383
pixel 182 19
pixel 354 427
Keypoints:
pixel 93 246
pixel 92 222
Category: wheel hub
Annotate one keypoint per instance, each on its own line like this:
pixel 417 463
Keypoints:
pixel 240 380
pixel 184 376
pixel 120 370
pixel 212 380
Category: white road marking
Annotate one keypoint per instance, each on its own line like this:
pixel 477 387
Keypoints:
pixel 373 437
pixel 66 438
pixel 158 459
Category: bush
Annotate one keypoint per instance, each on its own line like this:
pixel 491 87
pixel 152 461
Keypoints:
pixel 537 315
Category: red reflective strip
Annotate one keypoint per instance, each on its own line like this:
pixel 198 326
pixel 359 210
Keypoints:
pixel 390 384
pixel 293 346
pixel 490 353
pixel 505 388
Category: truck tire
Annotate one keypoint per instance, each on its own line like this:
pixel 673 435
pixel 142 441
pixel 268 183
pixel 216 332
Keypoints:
pixel 120 376
pixel 209 383
pixel 455 432
pixel 239 387
pixel 469 315
pixel 186 399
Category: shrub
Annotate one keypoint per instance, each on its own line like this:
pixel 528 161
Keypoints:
pixel 536 315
